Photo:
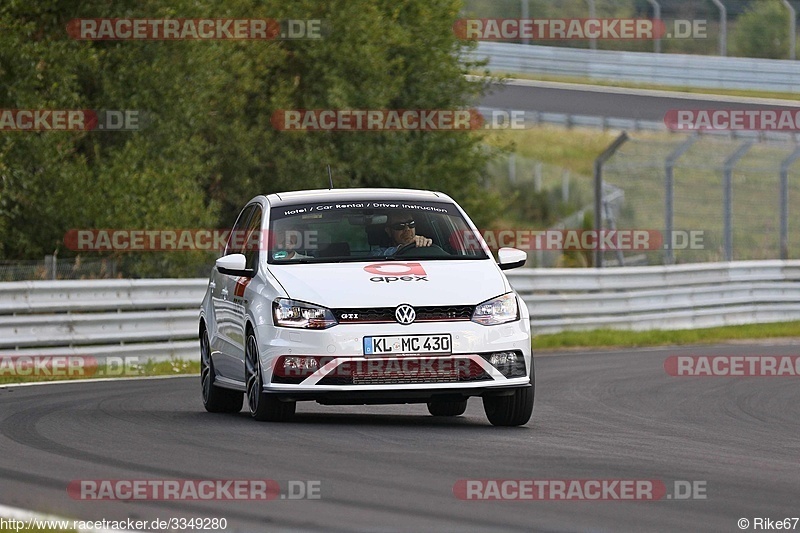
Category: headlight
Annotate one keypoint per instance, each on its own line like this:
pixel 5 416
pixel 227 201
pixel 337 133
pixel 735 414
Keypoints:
pixel 497 310
pixel 293 314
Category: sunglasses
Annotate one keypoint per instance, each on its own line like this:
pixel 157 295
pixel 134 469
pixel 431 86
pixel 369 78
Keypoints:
pixel 400 226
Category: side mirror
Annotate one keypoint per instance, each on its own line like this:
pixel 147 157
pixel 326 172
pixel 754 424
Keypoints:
pixel 509 258
pixel 234 265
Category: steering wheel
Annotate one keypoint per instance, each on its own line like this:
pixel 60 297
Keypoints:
pixel 433 250
pixel 405 247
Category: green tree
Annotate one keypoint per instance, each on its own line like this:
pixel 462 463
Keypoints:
pixel 762 31
pixel 378 55
pixel 51 182
pixel 208 145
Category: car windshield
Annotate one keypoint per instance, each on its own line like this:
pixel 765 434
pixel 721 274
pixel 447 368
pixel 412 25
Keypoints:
pixel 369 230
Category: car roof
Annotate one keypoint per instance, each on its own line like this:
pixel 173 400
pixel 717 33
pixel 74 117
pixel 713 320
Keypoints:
pixel 333 195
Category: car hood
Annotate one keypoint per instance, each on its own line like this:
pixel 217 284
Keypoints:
pixel 386 284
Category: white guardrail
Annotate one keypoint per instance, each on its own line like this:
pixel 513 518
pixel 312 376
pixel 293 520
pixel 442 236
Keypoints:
pixel 567 120
pixel 158 319
pixel 660 297
pixel 149 318
pixel 681 70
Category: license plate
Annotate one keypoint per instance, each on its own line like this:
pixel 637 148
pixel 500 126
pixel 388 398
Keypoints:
pixel 407 344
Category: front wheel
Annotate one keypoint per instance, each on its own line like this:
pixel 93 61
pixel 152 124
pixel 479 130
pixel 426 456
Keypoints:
pixel 215 399
pixel 263 407
pixel 513 410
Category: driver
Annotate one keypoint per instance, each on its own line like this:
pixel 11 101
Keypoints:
pixel 400 227
pixel 286 245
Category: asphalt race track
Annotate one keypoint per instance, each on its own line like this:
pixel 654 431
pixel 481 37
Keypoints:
pixel 608 101
pixel 601 415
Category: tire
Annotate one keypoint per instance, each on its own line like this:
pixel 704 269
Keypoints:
pixel 514 410
pixel 215 399
pixel 263 407
pixel 447 408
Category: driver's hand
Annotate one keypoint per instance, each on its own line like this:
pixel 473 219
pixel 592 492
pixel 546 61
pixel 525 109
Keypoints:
pixel 422 241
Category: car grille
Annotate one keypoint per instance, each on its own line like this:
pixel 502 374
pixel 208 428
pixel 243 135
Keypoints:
pixel 374 315
pixel 407 370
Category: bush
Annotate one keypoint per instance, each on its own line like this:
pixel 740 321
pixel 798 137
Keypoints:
pixel 762 31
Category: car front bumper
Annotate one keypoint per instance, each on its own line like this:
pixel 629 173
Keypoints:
pixel 402 378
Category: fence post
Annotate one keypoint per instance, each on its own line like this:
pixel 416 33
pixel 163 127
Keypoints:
pixel 525 12
pixel 656 16
pixel 723 27
pixel 727 208
pixel 592 15
pixel 613 227
pixel 784 194
pixel 792 29
pixel 48 267
pixel 598 190
pixel 669 165
pixel 512 167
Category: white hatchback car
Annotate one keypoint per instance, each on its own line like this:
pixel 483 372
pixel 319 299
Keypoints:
pixel 364 296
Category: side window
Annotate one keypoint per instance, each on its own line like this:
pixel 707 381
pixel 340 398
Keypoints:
pixel 236 239
pixel 253 239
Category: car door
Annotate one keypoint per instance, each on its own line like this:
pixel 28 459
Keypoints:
pixel 238 294
pixel 222 292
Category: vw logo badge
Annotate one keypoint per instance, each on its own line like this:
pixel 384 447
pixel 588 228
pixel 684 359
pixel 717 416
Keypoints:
pixel 405 314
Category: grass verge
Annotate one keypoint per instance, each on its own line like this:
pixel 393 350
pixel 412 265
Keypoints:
pixel 658 337
pixel 574 149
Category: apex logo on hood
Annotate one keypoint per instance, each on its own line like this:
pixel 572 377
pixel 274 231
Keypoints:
pixel 393 271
